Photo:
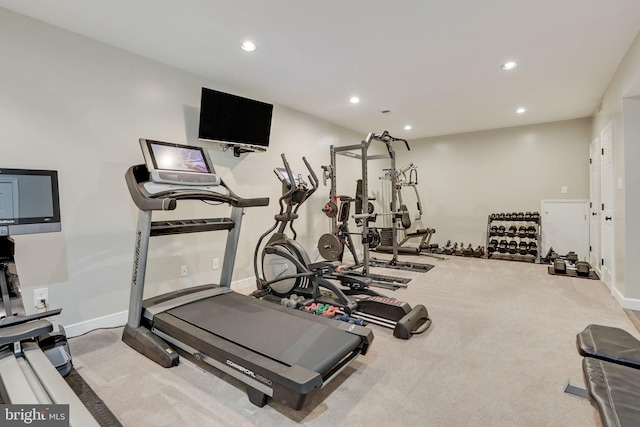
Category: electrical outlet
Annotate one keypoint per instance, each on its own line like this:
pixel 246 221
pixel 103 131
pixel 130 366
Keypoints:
pixel 40 295
pixel 184 270
pixel 216 263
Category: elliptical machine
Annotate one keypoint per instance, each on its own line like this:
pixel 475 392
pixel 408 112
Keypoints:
pixel 287 270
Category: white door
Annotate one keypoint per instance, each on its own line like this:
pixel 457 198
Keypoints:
pixel 606 213
pixel 565 227
pixel 595 160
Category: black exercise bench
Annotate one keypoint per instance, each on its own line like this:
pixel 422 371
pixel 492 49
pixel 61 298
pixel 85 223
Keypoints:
pixel 611 369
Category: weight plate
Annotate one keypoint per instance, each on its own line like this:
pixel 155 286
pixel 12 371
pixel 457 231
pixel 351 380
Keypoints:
pixel 330 247
pixel 330 209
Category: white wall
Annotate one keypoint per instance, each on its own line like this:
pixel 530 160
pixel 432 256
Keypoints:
pixel 78 106
pixel 631 118
pixel 463 178
pixel 625 83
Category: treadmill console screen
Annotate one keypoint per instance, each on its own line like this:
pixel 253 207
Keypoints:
pixel 175 157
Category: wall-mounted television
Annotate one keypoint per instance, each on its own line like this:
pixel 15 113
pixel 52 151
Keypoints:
pixel 234 121
pixel 29 201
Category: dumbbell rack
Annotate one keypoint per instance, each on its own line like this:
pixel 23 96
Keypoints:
pixel 506 222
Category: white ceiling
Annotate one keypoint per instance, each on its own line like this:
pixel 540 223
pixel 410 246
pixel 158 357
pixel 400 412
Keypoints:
pixel 434 63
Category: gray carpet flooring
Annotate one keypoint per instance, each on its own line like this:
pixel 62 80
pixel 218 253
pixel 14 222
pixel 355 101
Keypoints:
pixel 499 353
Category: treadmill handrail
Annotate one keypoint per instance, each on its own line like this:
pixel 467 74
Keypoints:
pixel 137 175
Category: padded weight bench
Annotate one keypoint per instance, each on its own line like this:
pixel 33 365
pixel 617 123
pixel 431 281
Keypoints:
pixel 611 369
pixel 610 344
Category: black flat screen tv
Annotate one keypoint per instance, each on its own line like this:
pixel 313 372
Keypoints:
pixel 29 201
pixel 234 120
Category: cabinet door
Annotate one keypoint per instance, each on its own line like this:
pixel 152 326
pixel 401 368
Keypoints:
pixel 565 227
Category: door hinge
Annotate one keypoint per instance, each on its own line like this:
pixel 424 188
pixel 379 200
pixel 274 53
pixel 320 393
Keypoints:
pixel 602 149
pixel 603 206
pixel 590 249
pixel 601 261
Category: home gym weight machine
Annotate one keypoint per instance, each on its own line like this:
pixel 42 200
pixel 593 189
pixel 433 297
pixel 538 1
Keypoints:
pixel 287 270
pixel 404 223
pixel 278 353
pixel 331 245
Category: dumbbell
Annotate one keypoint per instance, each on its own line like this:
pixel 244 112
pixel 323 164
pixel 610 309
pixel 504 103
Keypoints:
pixel 551 256
pixel 514 216
pixel 513 247
pixel 448 249
pixel 523 248
pixel 531 232
pixel 478 252
pixel 353 320
pixel 502 246
pixel 292 302
pixel 559 266
pixel 522 231
pixel 520 216
pixel 493 245
pixel 582 268
pixel 572 257
pixel 330 311
pixel 500 216
pixel 312 307
pixel 493 231
pixel 468 251
pixel 501 230
pixel 535 217
pixel 533 248
pixel 527 216
pixel 512 231
pixel 458 249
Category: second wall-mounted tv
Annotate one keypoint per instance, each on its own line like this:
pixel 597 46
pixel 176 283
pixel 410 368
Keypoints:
pixel 234 120
pixel 29 201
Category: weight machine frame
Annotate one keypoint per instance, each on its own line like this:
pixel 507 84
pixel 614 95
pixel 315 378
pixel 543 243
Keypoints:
pixel 361 152
pixel 423 234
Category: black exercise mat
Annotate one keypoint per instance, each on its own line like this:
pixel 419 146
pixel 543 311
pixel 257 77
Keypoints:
pixel 572 273
pixel 93 403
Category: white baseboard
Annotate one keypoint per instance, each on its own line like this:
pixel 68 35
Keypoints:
pixel 119 319
pixel 249 282
pixel 108 321
pixel 631 304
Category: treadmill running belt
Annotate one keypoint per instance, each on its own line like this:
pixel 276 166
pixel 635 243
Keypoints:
pixel 261 327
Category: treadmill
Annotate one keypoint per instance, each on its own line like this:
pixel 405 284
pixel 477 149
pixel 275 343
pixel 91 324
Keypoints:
pixel 278 352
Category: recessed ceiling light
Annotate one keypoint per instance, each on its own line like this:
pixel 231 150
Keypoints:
pixel 521 110
pixel 354 100
pixel 509 65
pixel 407 127
pixel 248 46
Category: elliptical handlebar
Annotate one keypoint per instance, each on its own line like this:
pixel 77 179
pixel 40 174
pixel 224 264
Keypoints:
pixel 313 179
